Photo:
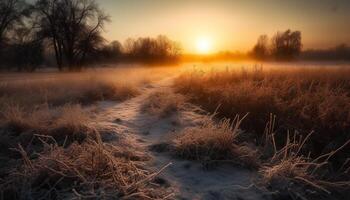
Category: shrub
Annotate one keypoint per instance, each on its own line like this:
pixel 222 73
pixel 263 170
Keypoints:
pixel 291 172
pixel 67 124
pixel 91 170
pixel 163 103
pixel 215 142
pixel 108 91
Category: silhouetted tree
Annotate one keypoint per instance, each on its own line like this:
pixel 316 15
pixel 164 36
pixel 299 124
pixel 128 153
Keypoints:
pixel 26 47
pixel 159 49
pixel 116 48
pixel 11 15
pixel 166 48
pixel 286 45
pixel 89 46
pixel 111 52
pixel 20 46
pixel 74 28
pixel 11 12
pixel 129 46
pixel 261 49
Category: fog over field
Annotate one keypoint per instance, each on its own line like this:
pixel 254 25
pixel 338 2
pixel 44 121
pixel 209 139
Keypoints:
pixel 174 100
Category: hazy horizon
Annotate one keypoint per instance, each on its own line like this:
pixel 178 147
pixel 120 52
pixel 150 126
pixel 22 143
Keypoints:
pixel 228 25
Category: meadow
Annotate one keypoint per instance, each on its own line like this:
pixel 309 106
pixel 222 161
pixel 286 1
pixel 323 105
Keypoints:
pixel 301 99
pixel 95 134
pixel 174 100
pixel 295 127
pixel 50 136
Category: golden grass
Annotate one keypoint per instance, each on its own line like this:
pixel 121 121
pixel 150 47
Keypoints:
pixel 51 103
pixel 29 90
pixel 46 120
pixel 92 170
pixel 215 142
pixel 288 165
pixel 60 92
pixel 18 120
pixel 72 124
pixel 303 99
pixel 163 103
pixel 312 103
pixel 66 124
pixel 100 91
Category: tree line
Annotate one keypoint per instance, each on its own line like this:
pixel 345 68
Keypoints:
pixel 143 49
pixel 285 45
pixel 71 31
pixel 339 52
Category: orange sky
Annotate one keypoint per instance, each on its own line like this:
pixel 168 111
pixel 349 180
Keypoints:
pixel 229 24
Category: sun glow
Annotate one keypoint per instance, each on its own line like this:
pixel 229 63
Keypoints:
pixel 203 45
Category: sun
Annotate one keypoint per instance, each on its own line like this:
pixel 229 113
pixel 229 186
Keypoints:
pixel 203 45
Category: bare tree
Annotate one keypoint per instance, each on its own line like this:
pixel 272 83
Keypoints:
pixel 116 48
pixel 261 49
pixel 112 51
pixel 25 49
pixel 129 46
pixel 20 46
pixel 11 13
pixel 73 26
pixel 159 49
pixel 166 47
pixel 286 45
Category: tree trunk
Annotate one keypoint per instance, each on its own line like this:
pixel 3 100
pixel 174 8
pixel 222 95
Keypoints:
pixel 58 54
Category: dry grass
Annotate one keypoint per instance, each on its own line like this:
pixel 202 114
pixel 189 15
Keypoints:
pixel 312 103
pixel 17 120
pixel 29 90
pixel 92 170
pixel 65 125
pixel 51 103
pixel 48 103
pixel 289 171
pixel 215 142
pixel 304 99
pixel 50 145
pixel 163 103
pixel 69 122
pixel 108 91
pixel 62 91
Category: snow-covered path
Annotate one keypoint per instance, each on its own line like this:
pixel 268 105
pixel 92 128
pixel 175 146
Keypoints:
pixel 187 179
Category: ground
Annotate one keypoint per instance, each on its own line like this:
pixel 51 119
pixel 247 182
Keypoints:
pixel 143 114
pixel 186 179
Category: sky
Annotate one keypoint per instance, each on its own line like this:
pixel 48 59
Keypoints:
pixel 232 25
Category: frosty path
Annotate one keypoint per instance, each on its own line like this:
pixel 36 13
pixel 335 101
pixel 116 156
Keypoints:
pixel 187 179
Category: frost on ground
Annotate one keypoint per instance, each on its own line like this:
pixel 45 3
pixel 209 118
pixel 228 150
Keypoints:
pixel 153 134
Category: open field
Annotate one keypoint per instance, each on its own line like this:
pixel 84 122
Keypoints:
pixel 85 87
pixel 174 100
pixel 197 131
pixel 302 99
pixel 51 117
pixel 296 117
